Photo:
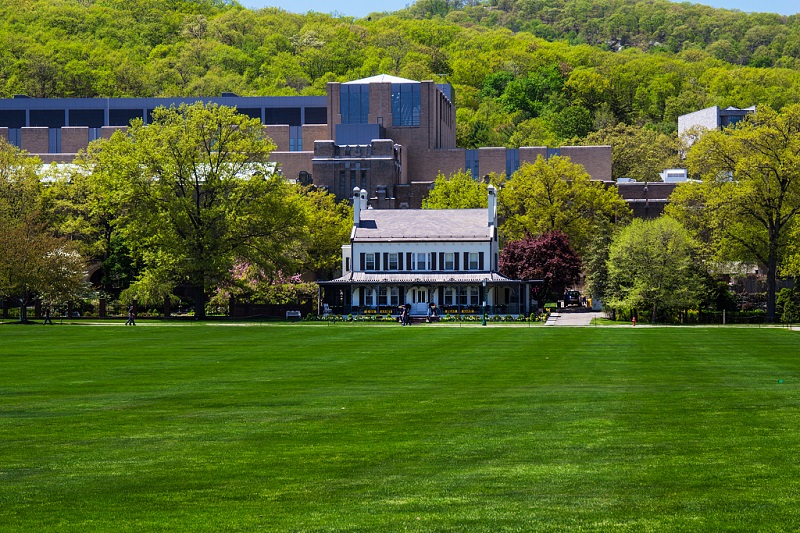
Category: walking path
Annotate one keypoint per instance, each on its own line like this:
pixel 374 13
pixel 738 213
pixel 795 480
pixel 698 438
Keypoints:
pixel 572 317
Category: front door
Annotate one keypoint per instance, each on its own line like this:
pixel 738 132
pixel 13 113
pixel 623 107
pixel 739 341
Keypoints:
pixel 418 298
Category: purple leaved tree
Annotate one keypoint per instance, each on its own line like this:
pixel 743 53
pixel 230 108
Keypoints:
pixel 547 257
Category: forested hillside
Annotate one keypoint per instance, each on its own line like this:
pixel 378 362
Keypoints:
pixel 526 72
pixel 761 39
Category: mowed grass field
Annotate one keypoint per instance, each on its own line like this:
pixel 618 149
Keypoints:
pixel 381 428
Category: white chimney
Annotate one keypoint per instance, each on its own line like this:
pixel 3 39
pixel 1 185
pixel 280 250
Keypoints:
pixel 356 206
pixel 492 205
pixel 363 198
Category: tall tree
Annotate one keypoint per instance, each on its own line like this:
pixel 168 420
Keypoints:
pixel 36 265
pixel 556 194
pixel 752 193
pixel 651 265
pixel 34 262
pixel 194 191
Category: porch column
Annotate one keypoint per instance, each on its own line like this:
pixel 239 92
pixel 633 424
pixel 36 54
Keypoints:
pixel 527 299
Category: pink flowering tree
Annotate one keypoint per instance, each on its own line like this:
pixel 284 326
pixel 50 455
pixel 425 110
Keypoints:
pixel 252 284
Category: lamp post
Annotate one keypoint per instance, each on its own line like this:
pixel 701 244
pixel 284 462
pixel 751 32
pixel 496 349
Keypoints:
pixel 483 322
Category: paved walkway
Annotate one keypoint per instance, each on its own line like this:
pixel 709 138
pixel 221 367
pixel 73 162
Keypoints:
pixel 572 317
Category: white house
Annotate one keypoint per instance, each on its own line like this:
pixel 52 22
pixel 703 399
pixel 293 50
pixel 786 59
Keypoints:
pixel 445 257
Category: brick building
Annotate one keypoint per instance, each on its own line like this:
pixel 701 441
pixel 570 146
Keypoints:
pixel 388 135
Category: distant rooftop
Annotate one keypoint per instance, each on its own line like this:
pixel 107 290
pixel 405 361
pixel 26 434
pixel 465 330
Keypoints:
pixel 423 225
pixel 420 277
pixel 380 78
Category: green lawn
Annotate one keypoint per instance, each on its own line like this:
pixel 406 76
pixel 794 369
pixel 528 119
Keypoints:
pixel 381 428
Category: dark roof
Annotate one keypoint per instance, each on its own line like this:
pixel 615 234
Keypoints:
pixel 423 225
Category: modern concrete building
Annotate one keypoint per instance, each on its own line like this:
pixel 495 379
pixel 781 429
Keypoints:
pixel 711 118
pixel 390 136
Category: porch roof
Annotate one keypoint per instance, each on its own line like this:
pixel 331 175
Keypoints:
pixel 442 278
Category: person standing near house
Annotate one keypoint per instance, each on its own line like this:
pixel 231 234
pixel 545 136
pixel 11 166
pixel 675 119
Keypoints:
pixel 431 310
pixel 131 317
pixel 407 308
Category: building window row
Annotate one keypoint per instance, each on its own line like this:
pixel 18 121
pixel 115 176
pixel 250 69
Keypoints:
pixel 347 180
pixel 102 116
pixel 461 296
pixel 383 296
pixel 422 262
pixel 451 296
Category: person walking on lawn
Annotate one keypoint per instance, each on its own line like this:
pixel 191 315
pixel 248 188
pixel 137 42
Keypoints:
pixel 131 317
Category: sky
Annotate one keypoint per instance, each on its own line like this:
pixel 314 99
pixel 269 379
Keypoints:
pixel 361 8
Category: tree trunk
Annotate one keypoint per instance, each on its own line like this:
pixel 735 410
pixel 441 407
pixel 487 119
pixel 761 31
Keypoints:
pixel 199 302
pixel 772 268
pixel 23 310
pixel 654 314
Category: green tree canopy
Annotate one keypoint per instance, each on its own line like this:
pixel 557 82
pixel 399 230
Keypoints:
pixel 637 152
pixel 556 194
pixel 751 192
pixel 193 191
pixel 459 191
pixel 651 266
pixel 34 261
pixel 327 225
pixel 525 72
